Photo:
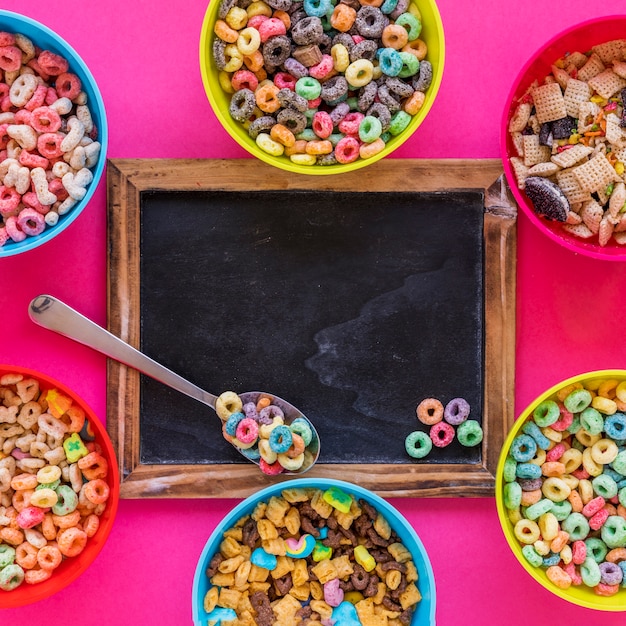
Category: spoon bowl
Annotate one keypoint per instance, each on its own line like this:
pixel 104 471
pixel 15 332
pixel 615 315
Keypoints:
pixel 49 312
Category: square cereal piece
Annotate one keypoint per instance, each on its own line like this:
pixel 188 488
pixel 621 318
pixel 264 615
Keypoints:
pixel 610 50
pixel 571 156
pixel 520 117
pixel 517 139
pixel 587 114
pixel 520 171
pixel 596 173
pixel 607 83
pixel 591 68
pixel 324 571
pixel 549 103
pixel 578 230
pixel 546 169
pixel 576 92
pixel 591 214
pixel 228 598
pixel 295 494
pixel 619 67
pixel 410 596
pixel 577 59
pixel 534 152
pixel 617 200
pixel 614 132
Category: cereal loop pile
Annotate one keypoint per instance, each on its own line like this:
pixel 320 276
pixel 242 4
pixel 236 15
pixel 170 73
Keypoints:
pixel 312 557
pixel 322 82
pixel 53 481
pixel 565 487
pixel 259 431
pixel 569 143
pixel 48 140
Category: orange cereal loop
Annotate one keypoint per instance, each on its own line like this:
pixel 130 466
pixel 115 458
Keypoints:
pixel 93 465
pixel 266 98
pixel 66 521
pixel 281 134
pixel 12 536
pixel 71 541
pixel 48 527
pixel 24 481
pixel 21 499
pixel 35 576
pixel 553 468
pixel 74 419
pixel 608 389
pixel 559 577
pixel 91 525
pixel 621 510
pixel 97 491
pixel 370 3
pixel 531 497
pixel 414 102
pixel 299 147
pixel 559 542
pixel 57 403
pixel 343 17
pixel 368 150
pixel 575 500
pixel 565 391
pixel 616 555
pixel 430 411
pixel 261 74
pixel 283 16
pixel 263 402
pixel 254 61
pixel 395 36
pixel 225 32
pixel 417 47
pixel 323 146
pixel 49 557
pixel 26 555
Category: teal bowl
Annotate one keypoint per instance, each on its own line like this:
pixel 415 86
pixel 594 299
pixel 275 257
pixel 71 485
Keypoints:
pixel 424 614
pixel 44 38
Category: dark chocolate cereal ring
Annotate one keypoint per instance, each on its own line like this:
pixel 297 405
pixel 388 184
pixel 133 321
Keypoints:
pixel 276 50
pixel 242 105
pixel 288 98
pixel 280 5
pixel 219 54
pixel 370 22
pixel 421 81
pixel 345 40
pixel 365 49
pixel 294 120
pixel 387 99
pixel 307 31
pixel 334 88
pixel 383 114
pixel 339 112
pixel 367 95
pixel 261 124
pixel 399 87
pixel 225 7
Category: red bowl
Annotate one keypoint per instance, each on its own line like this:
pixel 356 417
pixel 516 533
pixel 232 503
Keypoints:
pixel 577 38
pixel 70 568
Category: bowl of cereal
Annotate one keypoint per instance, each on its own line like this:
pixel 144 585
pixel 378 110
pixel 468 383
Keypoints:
pixel 563 140
pixel 53 134
pixel 321 87
pixel 269 542
pixel 561 490
pixel 59 486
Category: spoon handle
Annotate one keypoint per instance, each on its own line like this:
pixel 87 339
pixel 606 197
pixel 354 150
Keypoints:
pixel 54 315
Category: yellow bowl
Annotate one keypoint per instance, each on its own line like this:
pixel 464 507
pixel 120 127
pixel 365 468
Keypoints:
pixel 579 595
pixel 432 34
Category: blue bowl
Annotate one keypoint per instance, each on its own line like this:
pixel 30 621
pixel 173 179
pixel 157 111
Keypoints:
pixel 425 611
pixel 46 39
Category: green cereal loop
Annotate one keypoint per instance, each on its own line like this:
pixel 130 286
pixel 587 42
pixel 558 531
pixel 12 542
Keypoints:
pixel 621 496
pixel 67 502
pixel 412 25
pixel 546 413
pixel 577 401
pixel 301 427
pixel 596 549
pixel 370 129
pixel 399 121
pixel 7 555
pixel 613 532
pixel 532 556
pixel 410 65
pixel 308 87
pixel 575 426
pixel 561 510
pixel 11 577
pixel 577 526
pixel 469 433
pixel 509 471
pixel 592 421
pixel 353 103
pixel 619 463
pixel 604 486
pixel 512 495
pixel 590 572
pixel 335 138
pixel 535 511
pixel 52 486
pixel 418 444
pixel 308 134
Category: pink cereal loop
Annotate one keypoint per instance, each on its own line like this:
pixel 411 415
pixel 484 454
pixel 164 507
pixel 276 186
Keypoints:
pixel 347 150
pixel 9 201
pixel 323 68
pixel 554 454
pixel 31 222
pixel 49 145
pixel 349 125
pixel 32 160
pixel 38 98
pixel 284 80
pixel 271 27
pixel 10 58
pixel 52 64
pixel 45 119
pixel 322 124
pixel 13 230
pixel 245 79
pixel 68 85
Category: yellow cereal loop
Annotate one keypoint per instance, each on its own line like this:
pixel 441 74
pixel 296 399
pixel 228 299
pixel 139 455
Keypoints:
pixel 236 18
pixel 620 391
pixel 555 489
pixel 359 73
pixel 303 159
pixel 526 531
pixel 604 405
pixel 224 80
pixel 592 468
pixel 248 41
pixel 549 526
pixel 234 58
pixel 604 451
pixel 259 8
pixel 340 56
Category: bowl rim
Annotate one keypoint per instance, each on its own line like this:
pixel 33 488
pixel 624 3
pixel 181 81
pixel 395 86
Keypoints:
pixel 29 594
pixel 211 85
pixel 580 596
pixel 569 242
pixel 76 62
pixel 393 516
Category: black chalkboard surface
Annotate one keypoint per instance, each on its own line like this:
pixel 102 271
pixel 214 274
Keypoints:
pixel 354 297
pixel 354 306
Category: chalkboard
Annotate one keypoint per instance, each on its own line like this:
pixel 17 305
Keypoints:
pixel 353 305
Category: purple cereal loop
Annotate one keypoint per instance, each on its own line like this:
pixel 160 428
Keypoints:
pixel 250 411
pixel 268 413
pixel 334 88
pixel 339 112
pixel 610 573
pixel 456 411
pixel 530 484
pixel 295 68
pixel 401 8
pixel 399 87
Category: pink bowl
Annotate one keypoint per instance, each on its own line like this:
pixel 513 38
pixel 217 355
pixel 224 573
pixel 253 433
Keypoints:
pixel 577 38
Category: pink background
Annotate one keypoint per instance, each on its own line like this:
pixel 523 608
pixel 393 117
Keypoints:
pixel 571 318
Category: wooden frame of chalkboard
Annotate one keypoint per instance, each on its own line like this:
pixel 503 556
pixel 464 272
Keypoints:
pixel 128 179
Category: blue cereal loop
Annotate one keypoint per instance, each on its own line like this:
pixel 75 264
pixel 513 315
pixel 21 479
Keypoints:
pixel 523 448
pixel 531 429
pixel 280 439
pixel 388 6
pixel 232 422
pixel 551 559
pixel 615 426
pixel 528 470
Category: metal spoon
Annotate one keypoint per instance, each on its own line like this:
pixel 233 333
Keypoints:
pixel 51 313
